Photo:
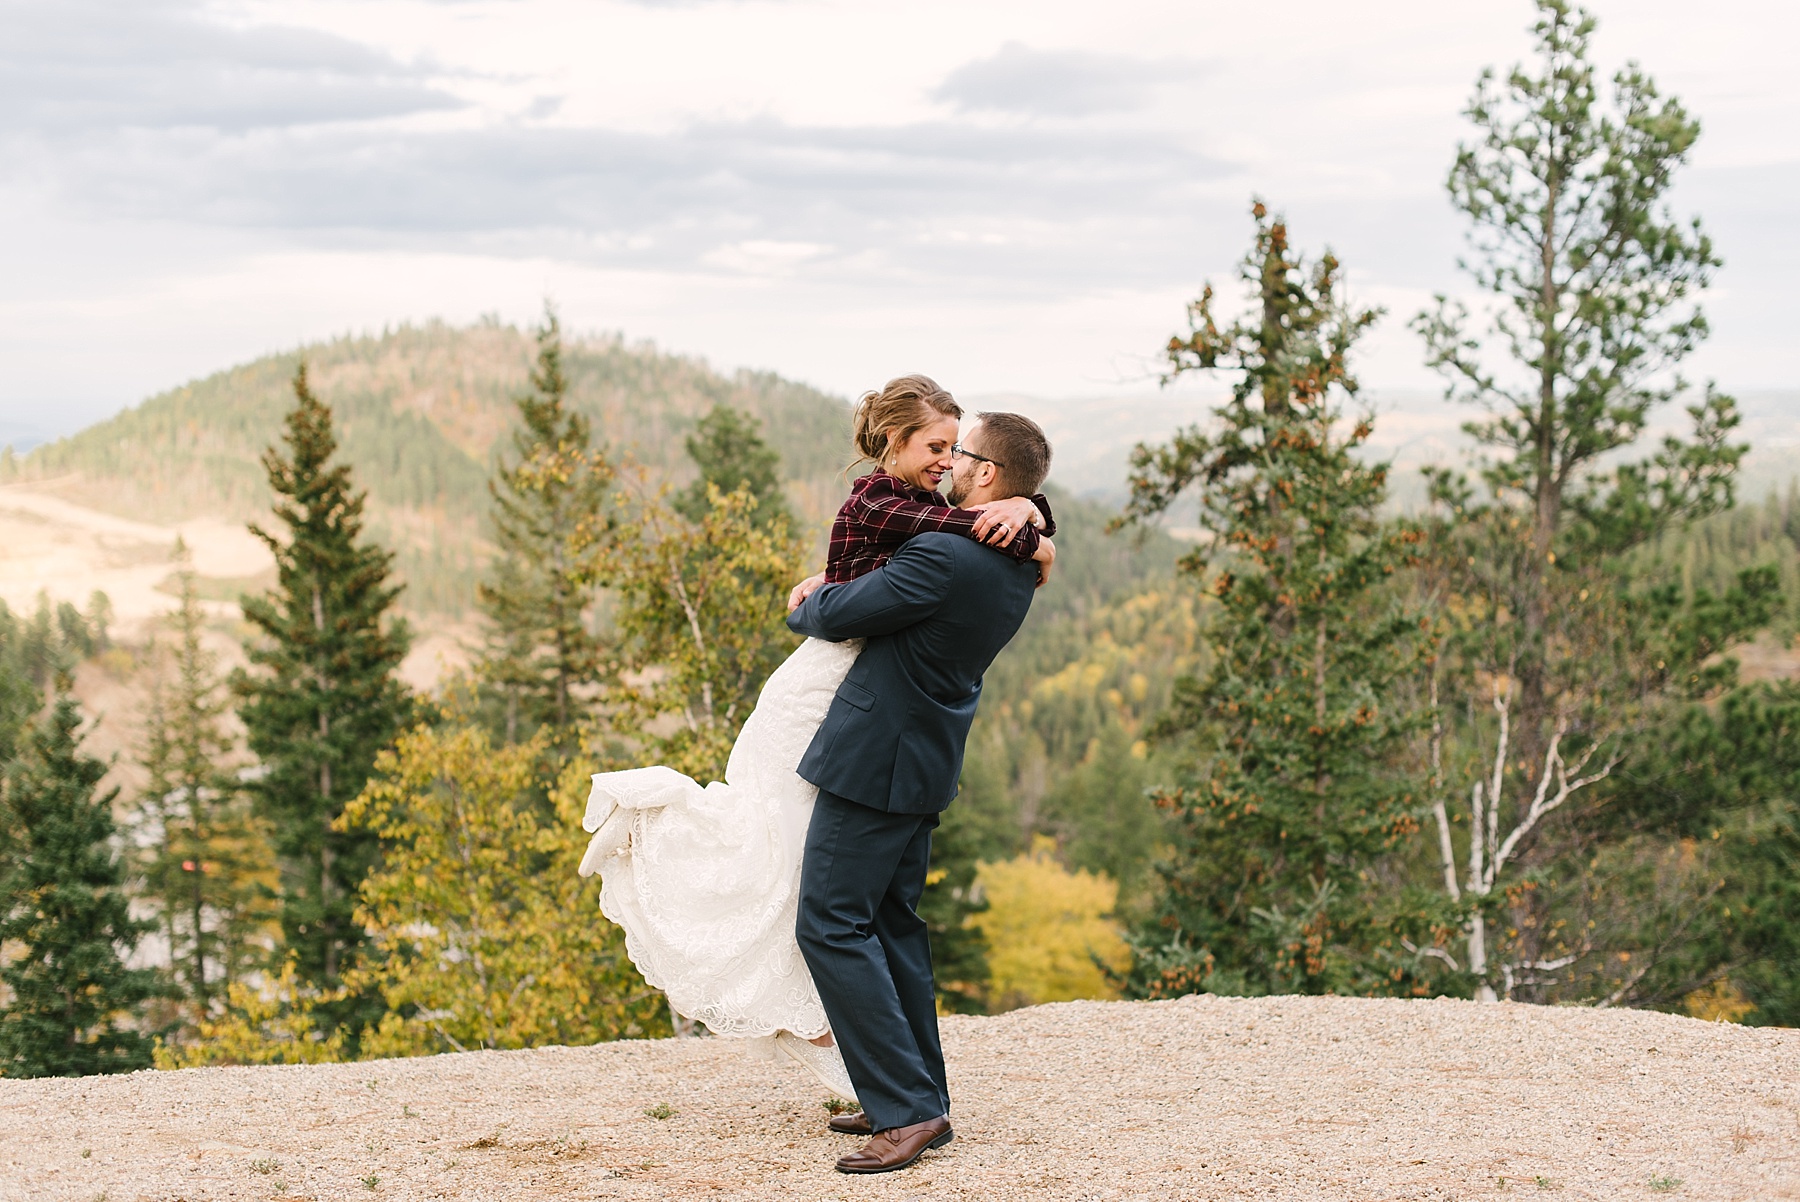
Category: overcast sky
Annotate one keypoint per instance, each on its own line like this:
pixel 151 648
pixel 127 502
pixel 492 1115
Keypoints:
pixel 1009 196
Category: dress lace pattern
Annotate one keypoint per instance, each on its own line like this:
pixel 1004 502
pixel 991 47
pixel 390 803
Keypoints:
pixel 707 883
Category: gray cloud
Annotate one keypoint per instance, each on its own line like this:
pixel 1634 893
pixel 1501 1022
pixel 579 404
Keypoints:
pixel 163 116
pixel 1056 83
pixel 934 197
pixel 68 66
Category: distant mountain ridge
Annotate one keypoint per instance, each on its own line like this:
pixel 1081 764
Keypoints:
pixel 1414 428
pixel 423 410
pixel 421 413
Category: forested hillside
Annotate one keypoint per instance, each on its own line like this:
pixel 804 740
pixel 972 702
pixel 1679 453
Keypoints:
pixel 1764 532
pixel 421 411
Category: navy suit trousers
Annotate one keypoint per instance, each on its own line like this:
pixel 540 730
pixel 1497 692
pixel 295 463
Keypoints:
pixel 870 956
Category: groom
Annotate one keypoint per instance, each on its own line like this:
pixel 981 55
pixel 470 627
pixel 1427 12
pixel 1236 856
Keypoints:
pixel 886 761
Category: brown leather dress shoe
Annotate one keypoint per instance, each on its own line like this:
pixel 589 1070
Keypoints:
pixel 854 1123
pixel 897 1147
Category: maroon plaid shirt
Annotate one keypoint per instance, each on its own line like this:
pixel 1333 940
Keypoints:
pixel 884 511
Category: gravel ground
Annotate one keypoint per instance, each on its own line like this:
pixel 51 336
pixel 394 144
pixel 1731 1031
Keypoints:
pixel 1203 1098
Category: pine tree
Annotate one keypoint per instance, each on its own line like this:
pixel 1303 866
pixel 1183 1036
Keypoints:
pixel 46 655
pixel 729 450
pixel 552 526
pixel 99 619
pixel 208 863
pixel 19 696
pixel 1596 284
pixel 1554 651
pixel 64 911
pixel 322 696
pixel 1723 777
pixel 19 700
pixel 1290 801
pixel 73 631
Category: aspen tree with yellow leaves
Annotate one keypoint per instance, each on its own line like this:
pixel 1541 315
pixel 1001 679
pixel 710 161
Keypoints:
pixel 700 614
pixel 484 935
pixel 1049 932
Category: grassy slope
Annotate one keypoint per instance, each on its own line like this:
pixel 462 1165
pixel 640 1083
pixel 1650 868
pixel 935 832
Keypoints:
pixel 421 413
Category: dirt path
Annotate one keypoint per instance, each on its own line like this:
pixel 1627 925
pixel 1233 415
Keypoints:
pixel 1204 1098
pixel 67 551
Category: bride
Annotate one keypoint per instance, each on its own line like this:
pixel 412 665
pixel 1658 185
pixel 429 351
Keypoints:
pixel 705 881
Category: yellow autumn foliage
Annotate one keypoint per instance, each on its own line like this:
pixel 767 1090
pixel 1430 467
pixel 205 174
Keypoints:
pixel 1044 926
pixel 484 935
pixel 702 614
pixel 1720 1002
pixel 275 1024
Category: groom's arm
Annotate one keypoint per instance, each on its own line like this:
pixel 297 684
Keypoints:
pixel 909 589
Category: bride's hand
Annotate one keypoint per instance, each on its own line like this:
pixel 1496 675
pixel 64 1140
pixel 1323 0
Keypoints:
pixel 803 590
pixel 1014 513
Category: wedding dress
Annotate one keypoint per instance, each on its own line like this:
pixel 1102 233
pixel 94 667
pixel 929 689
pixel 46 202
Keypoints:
pixel 706 881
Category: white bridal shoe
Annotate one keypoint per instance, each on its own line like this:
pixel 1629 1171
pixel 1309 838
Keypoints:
pixel 827 1064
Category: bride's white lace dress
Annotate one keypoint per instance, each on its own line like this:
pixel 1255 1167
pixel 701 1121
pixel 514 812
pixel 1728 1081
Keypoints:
pixel 706 881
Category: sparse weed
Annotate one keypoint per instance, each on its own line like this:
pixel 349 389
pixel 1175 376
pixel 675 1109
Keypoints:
pixel 280 1185
pixel 836 1105
pixel 408 1112
pixel 371 1181
pixel 1663 1184
pixel 1544 1182
pixel 265 1166
pixel 570 1144
pixel 86 1152
pixel 662 1110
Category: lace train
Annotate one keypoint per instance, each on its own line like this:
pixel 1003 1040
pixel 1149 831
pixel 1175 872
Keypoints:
pixel 706 881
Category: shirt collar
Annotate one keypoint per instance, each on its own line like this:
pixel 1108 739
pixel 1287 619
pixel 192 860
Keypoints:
pixel 912 490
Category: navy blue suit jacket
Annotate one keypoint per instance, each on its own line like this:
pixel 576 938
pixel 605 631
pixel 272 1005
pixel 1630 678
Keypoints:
pixel 935 616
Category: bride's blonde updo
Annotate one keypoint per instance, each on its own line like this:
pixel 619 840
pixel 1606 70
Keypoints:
pixel 903 407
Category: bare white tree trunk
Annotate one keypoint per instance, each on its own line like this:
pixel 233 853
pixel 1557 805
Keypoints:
pixel 1488 853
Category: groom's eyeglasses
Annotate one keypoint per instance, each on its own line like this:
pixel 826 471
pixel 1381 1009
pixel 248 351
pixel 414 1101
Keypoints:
pixel 959 449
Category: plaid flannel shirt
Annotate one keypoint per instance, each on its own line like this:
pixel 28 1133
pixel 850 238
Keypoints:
pixel 883 511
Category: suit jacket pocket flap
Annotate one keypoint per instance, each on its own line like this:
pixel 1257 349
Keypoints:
pixel 852 693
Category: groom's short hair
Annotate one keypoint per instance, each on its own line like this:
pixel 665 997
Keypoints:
pixel 1019 448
